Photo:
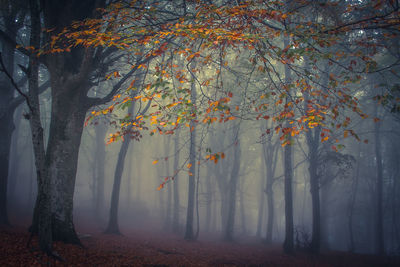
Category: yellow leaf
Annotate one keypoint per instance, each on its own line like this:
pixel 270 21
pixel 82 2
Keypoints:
pixel 155 162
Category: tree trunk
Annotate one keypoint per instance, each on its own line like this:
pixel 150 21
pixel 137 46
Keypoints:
pixel 209 200
pixel 113 227
pixel 168 218
pixel 352 201
pixel 261 203
pixel 189 234
pixel 312 137
pixel 288 244
pixel 6 129
pixel 379 240
pixel 62 154
pixel 101 131
pixel 175 218
pixel 228 236
pixel 6 116
pixel 270 161
pixel 42 213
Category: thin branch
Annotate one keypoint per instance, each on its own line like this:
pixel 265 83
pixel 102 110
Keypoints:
pixel 3 69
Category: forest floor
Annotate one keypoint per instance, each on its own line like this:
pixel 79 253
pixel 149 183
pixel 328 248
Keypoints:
pixel 150 248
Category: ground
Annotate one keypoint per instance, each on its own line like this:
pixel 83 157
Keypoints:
pixel 154 248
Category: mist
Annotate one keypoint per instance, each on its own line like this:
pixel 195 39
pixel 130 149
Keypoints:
pixel 172 128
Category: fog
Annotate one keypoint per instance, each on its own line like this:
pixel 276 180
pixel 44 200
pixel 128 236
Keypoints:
pixel 273 124
pixel 347 188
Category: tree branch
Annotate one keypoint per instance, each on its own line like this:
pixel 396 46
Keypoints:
pixel 3 69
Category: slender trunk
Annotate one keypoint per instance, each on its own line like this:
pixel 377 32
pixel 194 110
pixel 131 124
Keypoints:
pixel 352 201
pixel 101 131
pixel 312 137
pixel 243 211
pixel 113 227
pixel 261 202
pixel 15 155
pixel 168 218
pixel 6 129
pixel 209 200
pixel 175 219
pixel 288 244
pixel 270 161
pixel 6 124
pixel 44 199
pixel 189 234
pixel 270 220
pixel 232 190
pixel 379 239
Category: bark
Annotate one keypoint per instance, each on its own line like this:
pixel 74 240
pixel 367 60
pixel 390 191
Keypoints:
pixel 43 202
pixel 62 155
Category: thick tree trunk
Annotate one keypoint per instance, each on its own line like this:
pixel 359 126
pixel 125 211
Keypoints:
pixel 62 155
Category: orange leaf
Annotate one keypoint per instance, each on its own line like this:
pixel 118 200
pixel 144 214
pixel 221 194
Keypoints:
pixel 155 162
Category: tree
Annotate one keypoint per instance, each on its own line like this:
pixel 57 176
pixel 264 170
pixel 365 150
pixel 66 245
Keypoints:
pixel 132 133
pixel 13 16
pixel 189 234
